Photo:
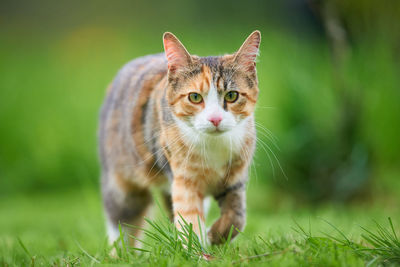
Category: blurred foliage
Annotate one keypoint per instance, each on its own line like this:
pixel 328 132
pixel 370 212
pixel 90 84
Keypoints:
pixel 57 58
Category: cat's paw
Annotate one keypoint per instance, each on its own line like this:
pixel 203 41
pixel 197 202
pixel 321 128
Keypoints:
pixel 219 232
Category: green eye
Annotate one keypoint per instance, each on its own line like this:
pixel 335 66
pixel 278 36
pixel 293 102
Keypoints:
pixel 231 96
pixel 195 98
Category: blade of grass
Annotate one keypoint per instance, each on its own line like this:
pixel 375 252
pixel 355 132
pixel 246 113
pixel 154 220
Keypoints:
pixel 121 236
pixel 337 229
pixel 228 240
pixel 392 227
pixel 86 253
pixel 24 247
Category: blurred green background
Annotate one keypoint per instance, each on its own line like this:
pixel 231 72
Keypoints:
pixel 328 71
pixel 329 93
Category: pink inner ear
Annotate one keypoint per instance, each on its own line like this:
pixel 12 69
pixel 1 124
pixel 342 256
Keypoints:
pixel 252 51
pixel 175 53
pixel 249 54
pixel 249 51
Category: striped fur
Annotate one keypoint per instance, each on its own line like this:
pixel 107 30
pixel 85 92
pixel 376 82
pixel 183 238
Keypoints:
pixel 151 134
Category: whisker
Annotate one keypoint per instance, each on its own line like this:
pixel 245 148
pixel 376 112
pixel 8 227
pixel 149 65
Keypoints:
pixel 269 157
pixel 155 163
pixel 175 140
pixel 270 139
pixel 187 159
pixel 265 107
pixel 267 130
pixel 230 161
pixel 202 149
pixel 166 162
pixel 276 158
pixel 248 158
pixel 156 135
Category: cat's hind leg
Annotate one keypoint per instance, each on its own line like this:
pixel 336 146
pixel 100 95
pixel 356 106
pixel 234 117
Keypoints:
pixel 124 205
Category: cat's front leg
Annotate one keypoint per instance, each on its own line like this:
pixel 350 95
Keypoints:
pixel 187 201
pixel 232 202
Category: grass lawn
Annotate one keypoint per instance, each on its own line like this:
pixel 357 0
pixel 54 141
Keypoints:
pixel 68 229
pixel 53 84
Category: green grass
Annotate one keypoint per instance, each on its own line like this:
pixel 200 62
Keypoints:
pixel 68 228
pixel 52 86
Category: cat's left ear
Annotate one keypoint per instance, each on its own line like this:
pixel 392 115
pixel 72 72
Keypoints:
pixel 176 53
pixel 247 53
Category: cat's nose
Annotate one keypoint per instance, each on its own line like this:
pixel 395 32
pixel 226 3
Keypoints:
pixel 215 120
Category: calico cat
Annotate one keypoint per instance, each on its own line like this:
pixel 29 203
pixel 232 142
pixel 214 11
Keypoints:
pixel 184 123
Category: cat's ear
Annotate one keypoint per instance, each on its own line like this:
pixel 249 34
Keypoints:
pixel 176 53
pixel 247 53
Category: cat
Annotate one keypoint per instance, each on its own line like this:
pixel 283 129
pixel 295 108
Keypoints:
pixel 183 123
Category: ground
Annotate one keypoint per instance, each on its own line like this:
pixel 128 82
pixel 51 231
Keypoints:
pixel 68 229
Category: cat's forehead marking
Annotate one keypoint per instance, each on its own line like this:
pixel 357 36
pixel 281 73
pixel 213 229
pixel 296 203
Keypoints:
pixel 202 81
pixel 222 76
pixel 206 78
pixel 212 62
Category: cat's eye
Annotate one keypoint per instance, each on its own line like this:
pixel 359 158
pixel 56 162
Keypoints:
pixel 195 98
pixel 231 96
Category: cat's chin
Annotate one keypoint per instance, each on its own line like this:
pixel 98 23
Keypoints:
pixel 214 132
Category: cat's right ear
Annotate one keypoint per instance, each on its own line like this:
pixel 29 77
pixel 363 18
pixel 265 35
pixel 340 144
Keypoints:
pixel 176 53
pixel 246 56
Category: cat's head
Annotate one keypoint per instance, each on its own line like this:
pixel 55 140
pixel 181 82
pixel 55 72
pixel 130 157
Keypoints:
pixel 212 95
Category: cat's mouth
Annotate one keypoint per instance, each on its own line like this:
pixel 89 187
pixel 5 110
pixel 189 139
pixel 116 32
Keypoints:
pixel 212 131
pixel 215 131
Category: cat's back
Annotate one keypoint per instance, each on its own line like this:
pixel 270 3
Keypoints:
pixel 123 110
pixel 133 82
pixel 133 75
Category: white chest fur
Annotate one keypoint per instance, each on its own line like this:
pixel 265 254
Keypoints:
pixel 216 151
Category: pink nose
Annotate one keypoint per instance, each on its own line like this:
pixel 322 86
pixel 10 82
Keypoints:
pixel 215 120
